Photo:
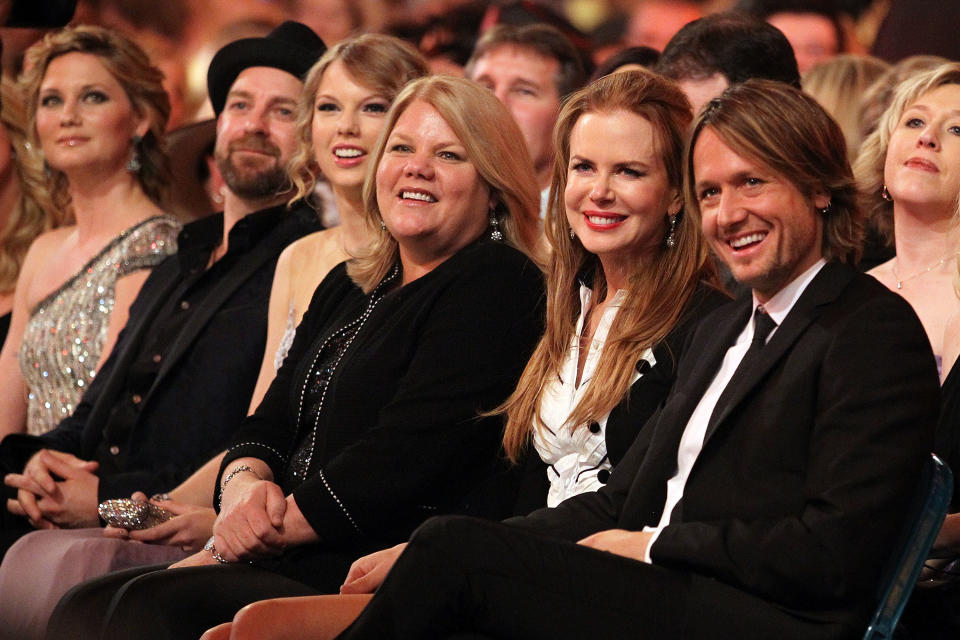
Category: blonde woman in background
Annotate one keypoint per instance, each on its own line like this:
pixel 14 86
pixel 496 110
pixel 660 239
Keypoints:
pixel 96 110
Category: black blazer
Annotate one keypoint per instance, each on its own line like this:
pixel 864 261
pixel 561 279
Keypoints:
pixel 798 492
pixel 400 436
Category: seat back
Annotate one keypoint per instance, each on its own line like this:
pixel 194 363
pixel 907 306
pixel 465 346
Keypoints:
pixel 927 513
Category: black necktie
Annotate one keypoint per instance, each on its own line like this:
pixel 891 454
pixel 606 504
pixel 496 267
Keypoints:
pixel 763 324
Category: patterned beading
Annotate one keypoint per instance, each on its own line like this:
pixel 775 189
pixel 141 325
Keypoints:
pixel 64 335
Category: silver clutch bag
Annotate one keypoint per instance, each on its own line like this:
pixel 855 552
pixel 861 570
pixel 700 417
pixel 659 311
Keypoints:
pixel 131 514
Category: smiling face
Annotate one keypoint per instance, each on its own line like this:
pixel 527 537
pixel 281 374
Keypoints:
pixel 430 196
pixel 922 166
pixel 617 195
pixel 256 132
pixel 85 121
pixel 526 83
pixel 757 222
pixel 347 119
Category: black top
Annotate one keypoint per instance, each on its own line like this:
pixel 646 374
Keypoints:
pixel 398 435
pixel 180 377
pixel 947 442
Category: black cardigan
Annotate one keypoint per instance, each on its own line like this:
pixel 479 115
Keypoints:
pixel 399 437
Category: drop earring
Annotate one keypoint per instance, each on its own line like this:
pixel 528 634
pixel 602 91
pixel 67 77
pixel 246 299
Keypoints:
pixel 133 162
pixel 672 230
pixel 495 233
pixel 573 234
pixel 885 194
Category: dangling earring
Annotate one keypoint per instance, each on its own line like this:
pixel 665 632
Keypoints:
pixel 383 226
pixel 133 162
pixel 573 234
pixel 495 233
pixel 827 209
pixel 885 194
pixel 672 230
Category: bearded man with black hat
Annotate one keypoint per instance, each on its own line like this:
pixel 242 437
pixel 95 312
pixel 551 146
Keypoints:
pixel 181 375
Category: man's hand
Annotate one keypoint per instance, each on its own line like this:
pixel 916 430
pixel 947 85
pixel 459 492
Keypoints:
pixel 49 503
pixel 629 544
pixel 368 573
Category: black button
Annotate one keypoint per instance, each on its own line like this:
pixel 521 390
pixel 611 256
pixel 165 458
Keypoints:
pixel 643 366
pixel 594 427
pixel 602 476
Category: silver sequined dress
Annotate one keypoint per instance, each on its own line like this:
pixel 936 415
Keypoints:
pixel 64 336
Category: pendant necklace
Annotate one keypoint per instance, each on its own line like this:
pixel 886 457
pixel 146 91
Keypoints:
pixel 938 263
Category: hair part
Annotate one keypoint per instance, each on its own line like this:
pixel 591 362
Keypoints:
pixel 785 130
pixel 489 135
pixel 542 39
pixel 658 289
pixel 141 81
pixel 381 63
pixel 873 154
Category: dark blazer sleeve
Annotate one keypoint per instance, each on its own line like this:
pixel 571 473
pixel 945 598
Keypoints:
pixel 428 444
pixel 268 434
pixel 874 403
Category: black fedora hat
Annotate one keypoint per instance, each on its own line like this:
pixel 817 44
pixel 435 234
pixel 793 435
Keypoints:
pixel 292 47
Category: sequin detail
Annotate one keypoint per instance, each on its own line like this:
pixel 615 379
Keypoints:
pixel 65 333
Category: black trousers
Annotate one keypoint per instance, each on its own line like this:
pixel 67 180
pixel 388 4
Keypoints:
pixel 461 575
pixel 159 603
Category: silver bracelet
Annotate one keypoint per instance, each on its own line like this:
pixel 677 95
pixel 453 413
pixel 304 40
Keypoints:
pixel 213 552
pixel 234 472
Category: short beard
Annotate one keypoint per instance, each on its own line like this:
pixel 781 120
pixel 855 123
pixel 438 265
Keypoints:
pixel 254 183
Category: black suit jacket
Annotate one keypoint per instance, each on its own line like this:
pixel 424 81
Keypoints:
pixel 181 423
pixel 798 492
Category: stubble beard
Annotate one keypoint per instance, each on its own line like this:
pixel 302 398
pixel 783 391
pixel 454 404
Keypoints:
pixel 253 181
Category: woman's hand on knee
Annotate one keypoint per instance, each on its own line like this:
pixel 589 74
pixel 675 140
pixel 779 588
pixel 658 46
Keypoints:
pixel 368 573
pixel 250 526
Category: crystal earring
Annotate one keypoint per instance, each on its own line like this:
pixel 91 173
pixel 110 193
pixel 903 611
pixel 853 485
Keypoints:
pixel 133 162
pixel 827 209
pixel 885 194
pixel 672 231
pixel 573 234
pixel 383 226
pixel 495 233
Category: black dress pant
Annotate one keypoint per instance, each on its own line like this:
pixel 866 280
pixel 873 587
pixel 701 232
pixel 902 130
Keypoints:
pixel 461 575
pixel 158 603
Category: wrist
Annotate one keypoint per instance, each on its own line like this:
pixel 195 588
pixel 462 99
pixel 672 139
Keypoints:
pixel 233 473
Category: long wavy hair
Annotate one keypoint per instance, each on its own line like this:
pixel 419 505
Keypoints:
pixel 494 146
pixel 381 63
pixel 141 81
pixel 33 212
pixel 658 290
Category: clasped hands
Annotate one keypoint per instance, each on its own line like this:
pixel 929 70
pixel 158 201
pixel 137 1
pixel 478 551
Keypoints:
pixel 56 490
pixel 366 574
pixel 256 520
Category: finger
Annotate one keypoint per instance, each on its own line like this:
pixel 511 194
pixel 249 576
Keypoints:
pixel 115 532
pixel 276 506
pixel 138 496
pixel 367 583
pixel 16 508
pixel 20 481
pixel 65 468
pixel 39 472
pixel 28 503
pixel 158 534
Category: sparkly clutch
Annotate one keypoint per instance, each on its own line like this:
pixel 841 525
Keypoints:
pixel 131 514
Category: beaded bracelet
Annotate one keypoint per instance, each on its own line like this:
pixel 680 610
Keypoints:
pixel 230 475
pixel 213 552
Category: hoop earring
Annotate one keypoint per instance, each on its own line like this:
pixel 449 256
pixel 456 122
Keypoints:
pixel 672 230
pixel 134 165
pixel 885 194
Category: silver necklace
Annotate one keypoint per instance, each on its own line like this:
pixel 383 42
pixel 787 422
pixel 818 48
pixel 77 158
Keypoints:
pixel 939 263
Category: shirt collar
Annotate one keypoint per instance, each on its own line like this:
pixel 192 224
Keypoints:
pixel 780 304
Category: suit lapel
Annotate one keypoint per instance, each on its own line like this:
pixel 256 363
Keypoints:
pixel 824 288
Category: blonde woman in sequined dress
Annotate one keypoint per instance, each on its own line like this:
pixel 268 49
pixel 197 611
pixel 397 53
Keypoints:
pixel 96 111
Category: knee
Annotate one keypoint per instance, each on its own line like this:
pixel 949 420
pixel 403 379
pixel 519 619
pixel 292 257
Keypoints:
pixel 441 529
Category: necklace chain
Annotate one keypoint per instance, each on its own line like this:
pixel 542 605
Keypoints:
pixel 938 263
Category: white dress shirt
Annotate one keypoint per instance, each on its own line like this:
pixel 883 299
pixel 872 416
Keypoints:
pixel 692 441
pixel 576 455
